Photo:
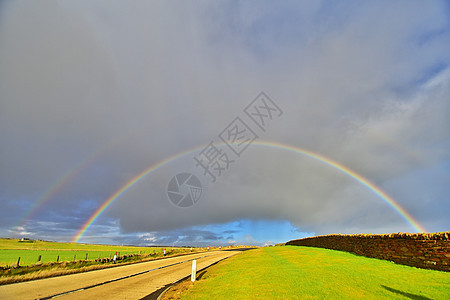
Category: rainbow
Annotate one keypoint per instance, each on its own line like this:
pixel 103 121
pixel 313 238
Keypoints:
pixel 64 180
pixel 365 182
pixel 54 189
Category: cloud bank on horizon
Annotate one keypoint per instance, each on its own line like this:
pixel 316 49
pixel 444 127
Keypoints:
pixel 98 91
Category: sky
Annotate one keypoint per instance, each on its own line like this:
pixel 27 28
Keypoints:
pixel 94 94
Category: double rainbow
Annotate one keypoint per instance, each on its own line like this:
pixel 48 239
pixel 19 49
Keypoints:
pixel 65 179
pixel 365 182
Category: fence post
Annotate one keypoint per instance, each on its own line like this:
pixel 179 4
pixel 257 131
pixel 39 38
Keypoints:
pixel 39 258
pixel 74 257
pixel 194 270
pixel 18 262
pixel 57 260
pixel 86 256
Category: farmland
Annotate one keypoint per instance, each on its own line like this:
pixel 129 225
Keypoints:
pixel 41 259
pixel 305 272
pixel 29 251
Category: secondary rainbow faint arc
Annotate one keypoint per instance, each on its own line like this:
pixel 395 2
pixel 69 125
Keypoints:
pixel 53 189
pixel 64 180
pixel 365 182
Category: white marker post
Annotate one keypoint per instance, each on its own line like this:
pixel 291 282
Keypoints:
pixel 194 270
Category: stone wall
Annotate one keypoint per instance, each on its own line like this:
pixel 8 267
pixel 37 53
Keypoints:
pixel 422 250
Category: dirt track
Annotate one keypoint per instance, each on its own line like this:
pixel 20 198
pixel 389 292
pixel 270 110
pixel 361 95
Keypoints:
pixel 96 285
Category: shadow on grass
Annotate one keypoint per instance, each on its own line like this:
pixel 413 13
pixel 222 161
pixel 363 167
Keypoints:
pixel 200 275
pixel 408 295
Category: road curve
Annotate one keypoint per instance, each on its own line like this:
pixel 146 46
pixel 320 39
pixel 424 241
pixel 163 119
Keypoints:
pixel 124 282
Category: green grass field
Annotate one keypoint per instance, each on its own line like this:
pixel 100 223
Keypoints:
pixel 12 249
pixel 304 272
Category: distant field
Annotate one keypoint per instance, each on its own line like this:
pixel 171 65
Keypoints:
pixel 12 249
pixel 305 272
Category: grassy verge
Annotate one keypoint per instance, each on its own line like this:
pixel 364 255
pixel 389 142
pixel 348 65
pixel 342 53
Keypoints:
pixel 71 257
pixel 33 272
pixel 304 272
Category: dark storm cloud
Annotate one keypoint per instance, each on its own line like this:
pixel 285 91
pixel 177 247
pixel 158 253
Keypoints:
pixel 365 84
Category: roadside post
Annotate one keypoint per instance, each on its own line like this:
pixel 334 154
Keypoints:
pixel 194 270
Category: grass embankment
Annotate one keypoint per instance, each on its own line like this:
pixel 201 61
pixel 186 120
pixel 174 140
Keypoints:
pixel 305 272
pixel 72 258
